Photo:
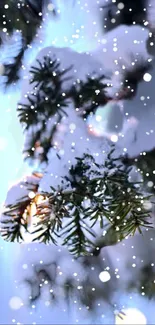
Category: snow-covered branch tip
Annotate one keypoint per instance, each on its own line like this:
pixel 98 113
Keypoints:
pixel 22 17
pixel 50 97
pixel 91 199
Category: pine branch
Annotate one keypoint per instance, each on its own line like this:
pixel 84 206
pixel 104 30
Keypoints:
pixel 99 193
pixel 77 234
pixel 48 72
pixel 24 16
pixel 39 149
pixel 50 219
pixel 13 221
pixel 89 95
pixel 50 99
pixel 12 70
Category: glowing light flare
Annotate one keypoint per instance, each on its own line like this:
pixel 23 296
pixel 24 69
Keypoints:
pixel 15 303
pixel 33 206
pixel 37 174
pixel 31 210
pixel 39 198
pixel 32 195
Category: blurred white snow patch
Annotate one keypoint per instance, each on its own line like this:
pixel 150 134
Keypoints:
pixel 108 120
pixel 15 303
pixel 110 123
pixel 80 64
pixel 121 45
pixel 80 22
pixel 20 190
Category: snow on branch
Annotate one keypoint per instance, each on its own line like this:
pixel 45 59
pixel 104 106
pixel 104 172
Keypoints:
pixel 91 195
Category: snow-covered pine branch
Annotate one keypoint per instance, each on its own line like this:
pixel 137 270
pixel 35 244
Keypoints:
pixel 53 114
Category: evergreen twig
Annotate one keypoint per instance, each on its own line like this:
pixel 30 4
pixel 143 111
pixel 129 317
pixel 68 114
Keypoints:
pixel 99 195
pixel 23 16
pixel 50 98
